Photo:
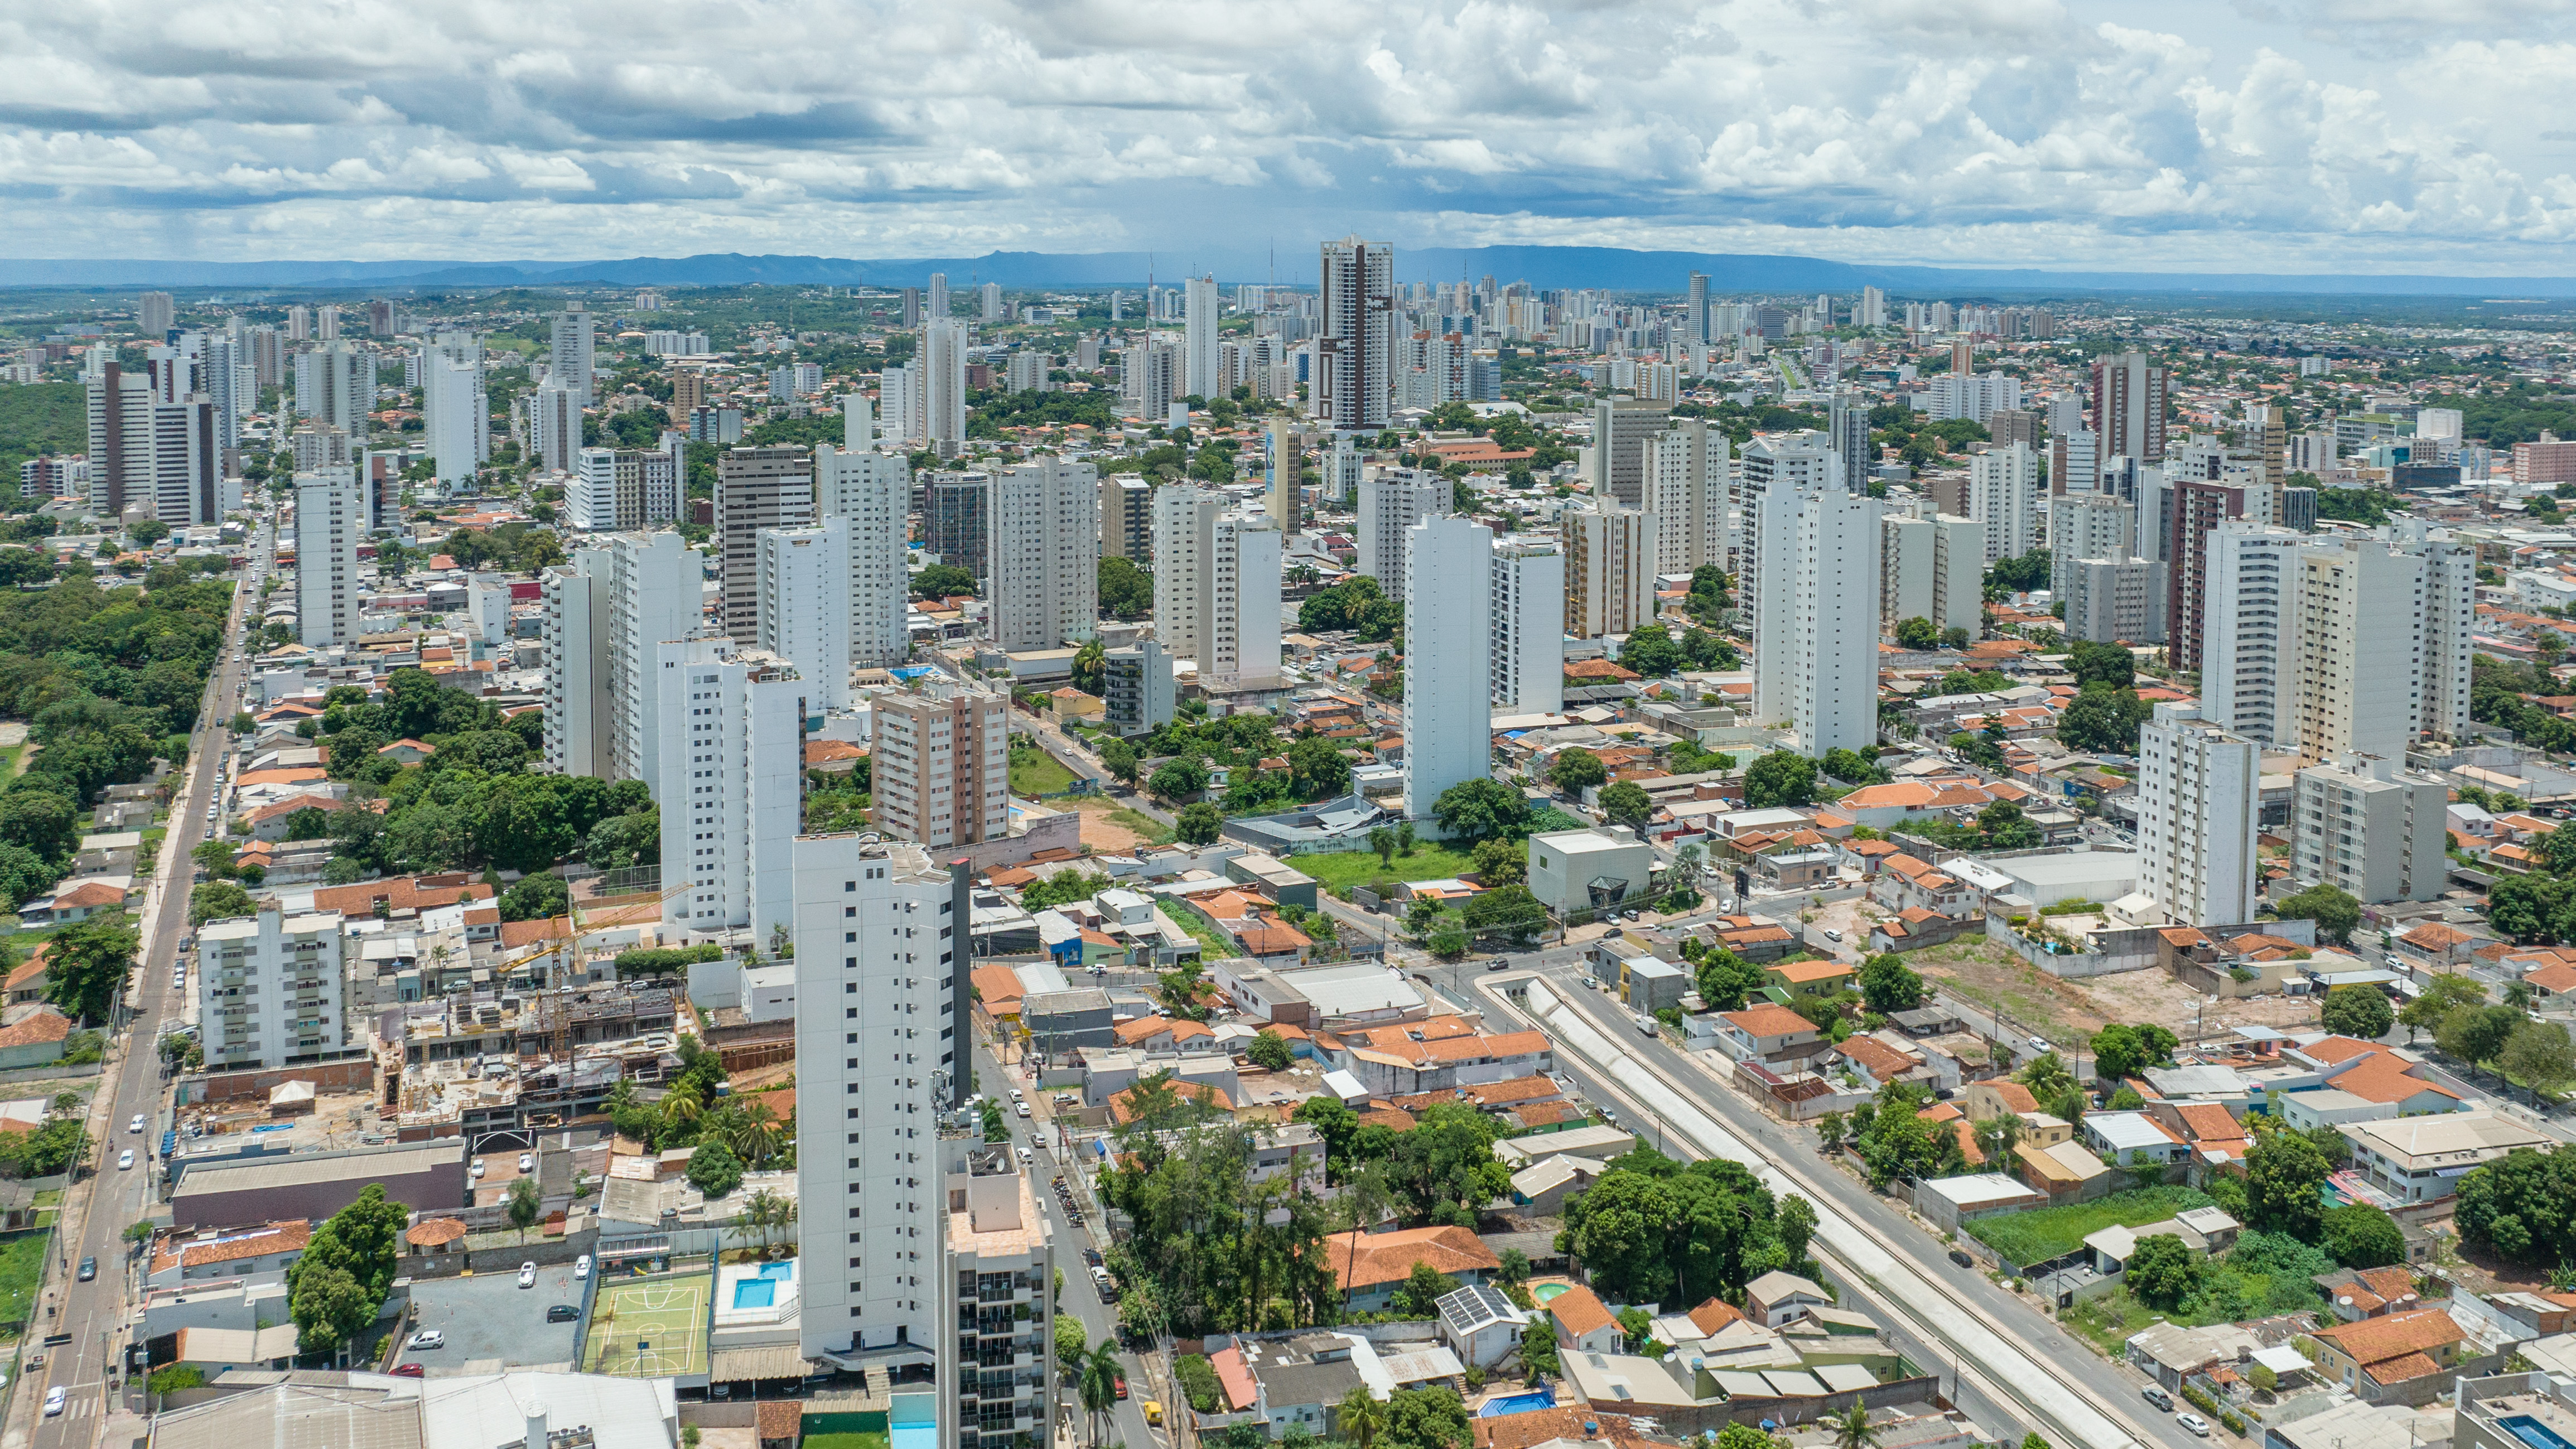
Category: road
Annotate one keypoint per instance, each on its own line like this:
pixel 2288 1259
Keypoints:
pixel 2005 1354
pixel 94 1313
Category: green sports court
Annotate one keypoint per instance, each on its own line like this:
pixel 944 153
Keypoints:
pixel 652 1327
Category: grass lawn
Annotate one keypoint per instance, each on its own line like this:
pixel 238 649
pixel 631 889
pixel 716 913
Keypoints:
pixel 1154 831
pixel 2045 1233
pixel 1341 870
pixel 1035 772
pixel 846 1441
pixel 2106 1322
pixel 1212 946
pixel 22 1265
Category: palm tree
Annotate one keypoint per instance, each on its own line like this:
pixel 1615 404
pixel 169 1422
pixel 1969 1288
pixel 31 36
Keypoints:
pixel 1852 1430
pixel 1098 1384
pixel 1382 840
pixel 2517 994
pixel 1362 1418
pixel 751 1129
pixel 1996 1135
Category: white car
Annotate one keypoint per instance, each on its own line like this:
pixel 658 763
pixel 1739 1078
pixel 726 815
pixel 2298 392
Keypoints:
pixel 527 1163
pixel 1024 1154
pixel 2194 1423
pixel 1015 1094
pixel 2040 1044
pixel 527 1275
pixel 1020 1108
pixel 581 1267
pixel 125 1160
pixel 136 1125
pixel 477 1169
pixel 429 1338
pixel 54 1398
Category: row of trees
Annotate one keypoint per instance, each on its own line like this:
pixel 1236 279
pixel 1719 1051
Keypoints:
pixel 1654 1230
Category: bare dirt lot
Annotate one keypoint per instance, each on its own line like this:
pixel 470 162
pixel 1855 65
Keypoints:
pixel 1110 828
pixel 1986 973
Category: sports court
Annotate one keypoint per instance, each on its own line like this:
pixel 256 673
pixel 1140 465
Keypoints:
pixel 650 1327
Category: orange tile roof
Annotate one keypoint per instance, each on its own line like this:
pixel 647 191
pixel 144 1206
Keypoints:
pixel 1579 1311
pixel 41 1026
pixel 403 892
pixel 2435 935
pixel 1768 1019
pixel 1798 973
pixel 91 893
pixel 1376 1258
pixel 1882 1060
pixel 296 775
pixel 2014 1096
pixel 279 1237
pixel 2373 1342
pixel 1715 1314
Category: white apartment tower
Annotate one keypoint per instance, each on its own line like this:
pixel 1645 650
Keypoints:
pixel 2003 494
pixel 2250 632
pixel 330 518
pixel 1689 483
pixel 879 1021
pixel 1833 623
pixel 570 361
pixel 335 385
pixel 871 492
pixel 1216 586
pixel 1043 558
pixel 2088 525
pixel 943 763
pixel 1003 1254
pixel 2366 827
pixel 1528 616
pixel 803 622
pixel 1448 644
pixel 1199 339
pixel 731 788
pixel 1389 505
pixel 269 989
pixel 943 396
pixel 1355 345
pixel 2359 680
pixel 1609 571
pixel 2197 792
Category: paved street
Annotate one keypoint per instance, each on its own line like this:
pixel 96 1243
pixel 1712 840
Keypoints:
pixel 93 1313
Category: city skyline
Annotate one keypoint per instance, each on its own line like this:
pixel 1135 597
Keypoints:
pixel 2324 136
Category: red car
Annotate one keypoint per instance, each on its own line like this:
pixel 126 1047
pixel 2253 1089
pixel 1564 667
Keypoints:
pixel 1122 1386
pixel 409 1371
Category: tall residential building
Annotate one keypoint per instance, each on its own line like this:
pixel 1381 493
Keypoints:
pixel 1818 620
pixel 1609 571
pixel 554 425
pixel 1689 483
pixel 2367 827
pixel 571 361
pixel 2114 601
pixel 2249 645
pixel 881 1015
pixel 955 519
pixel 989 300
pixel 1389 505
pixel 943 763
pixel 608 612
pixel 872 493
pixel 2192 510
pixel 756 489
pixel 939 307
pixel 335 386
pixel 1342 463
pixel 619 488
pixel 1355 342
pixel 326 323
pixel 1199 376
pixel 731 791
pixel 1216 586
pixel 2129 407
pixel 2197 792
pixel 2088 525
pixel 1528 618
pixel 269 989
pixel 1136 693
pixel 1847 433
pixel 1695 308
pixel 456 409
pixel 1044 552
pixel 2450 606
pixel 120 438
pixel 1285 497
pixel 804 574
pixel 2359 679
pixel 900 403
pixel 1615 460
pixel 330 518
pixel 1002 1376
pixel 943 393
pixel 1149 377
pixel 1448 644
pixel 154 315
pixel 1127 518
pixel 2003 494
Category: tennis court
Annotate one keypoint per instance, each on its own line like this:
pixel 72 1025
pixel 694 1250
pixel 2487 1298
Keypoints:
pixel 649 1327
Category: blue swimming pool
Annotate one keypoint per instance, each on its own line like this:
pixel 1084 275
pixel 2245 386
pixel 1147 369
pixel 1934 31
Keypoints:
pixel 2532 1432
pixel 1518 1404
pixel 758 1292
pixel 782 1270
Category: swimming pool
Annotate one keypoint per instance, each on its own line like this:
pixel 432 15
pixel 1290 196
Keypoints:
pixel 2532 1432
pixel 1518 1404
pixel 758 1292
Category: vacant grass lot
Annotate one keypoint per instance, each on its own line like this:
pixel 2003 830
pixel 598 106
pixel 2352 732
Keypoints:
pixel 2045 1233
pixel 1340 871
pixel 1035 772
pixel 22 1264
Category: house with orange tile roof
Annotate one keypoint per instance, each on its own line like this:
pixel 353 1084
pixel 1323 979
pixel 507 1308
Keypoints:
pixel 2360 1081
pixel 1755 938
pixel 2353 1294
pixel 406 752
pixel 259 1254
pixel 1763 1032
pixel 2436 943
pixel 1822 977
pixel 2398 1358
pixel 1124 1106
pixel 1371 1266
pixel 29 980
pixel 1947 1115
pixel 1426 1056
pixel 35 1038
pixel 401 893
pixel 1904 882
pixel 1154 1034
pixel 1914 928
pixel 77 902
pixel 1584 1323
pixel 1876 1063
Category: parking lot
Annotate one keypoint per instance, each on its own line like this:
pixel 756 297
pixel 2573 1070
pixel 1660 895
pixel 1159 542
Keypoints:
pixel 491 1321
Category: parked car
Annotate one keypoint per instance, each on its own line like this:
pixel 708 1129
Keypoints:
pixel 2040 1044
pixel 2155 1394
pixel 527 1275
pixel 1153 1411
pixel 410 1371
pixel 1020 1109
pixel 54 1399
pixel 562 1313
pixel 2195 1423
pixel 428 1338
pixel 1834 936
pixel 476 1169
pixel 527 1163
pixel 581 1267
pixel 1960 1257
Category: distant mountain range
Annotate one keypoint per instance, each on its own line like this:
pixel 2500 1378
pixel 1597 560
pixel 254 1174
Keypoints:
pixel 1611 268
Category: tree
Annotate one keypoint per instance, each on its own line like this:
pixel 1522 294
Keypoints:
pixel 1650 651
pixel 714 1170
pixel 2539 1056
pixel 1425 1419
pixel 1917 634
pixel 1269 1051
pixel 219 900
pixel 1887 984
pixel 1199 823
pixel 1627 803
pixel 2162 1271
pixel 1382 840
pixel 2477 1034
pixel 2092 662
pixel 2334 911
pixel 2121 1051
pixel 522 1205
pixel 943 581
pixel 1126 591
pixel 1797 1224
pixel 1099 1384
pixel 1501 863
pixel 1423 1289
pixel 2359 1011
pixel 2359 1235
pixel 2046 1076
pixel 538 897
pixel 1482 808
pixel 2445 993
pixel 1179 777
pixel 1780 778
pixel 1850 766
pixel 1576 770
pixel 2516 1206
pixel 2283 1172
pixel 88 962
pixel 1360 1418
pixel 2103 719
pixel 336 1289
pixel 1322 770
pixel 1090 666
pixel 1071 1346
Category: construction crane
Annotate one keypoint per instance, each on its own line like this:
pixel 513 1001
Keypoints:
pixel 578 923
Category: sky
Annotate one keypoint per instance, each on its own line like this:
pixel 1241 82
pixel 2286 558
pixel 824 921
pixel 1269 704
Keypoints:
pixel 2186 135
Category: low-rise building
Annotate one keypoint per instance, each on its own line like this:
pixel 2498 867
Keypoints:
pixel 1572 871
pixel 2421 1159
pixel 2399 1358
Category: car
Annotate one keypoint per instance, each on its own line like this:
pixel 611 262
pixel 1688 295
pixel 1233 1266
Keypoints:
pixel 581 1267
pixel 1960 1257
pixel 88 1269
pixel 1092 1257
pixel 136 1125
pixel 1122 1386
pixel 2040 1044
pixel 1591 982
pixel 2156 1395
pixel 527 1275
pixel 476 1170
pixel 527 1163
pixel 1153 1411
pixel 428 1338
pixel 55 1397
pixel 1645 1023
pixel 1024 1154
pixel 1610 1117
pixel 1834 936
pixel 1020 1109
pixel 125 1160
pixel 1015 1095
pixel 562 1313
pixel 2195 1423
pixel 409 1371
